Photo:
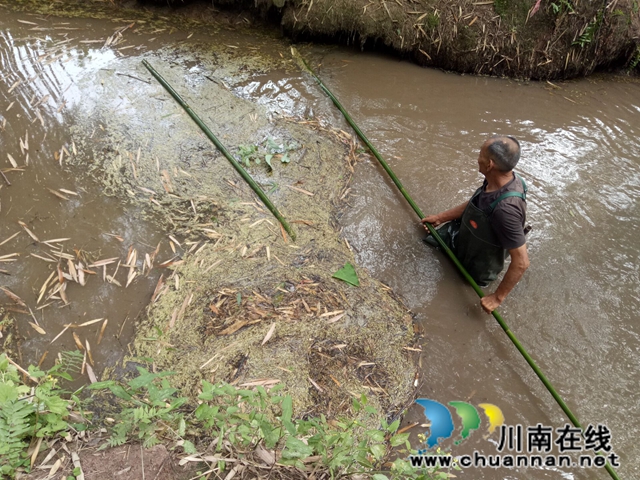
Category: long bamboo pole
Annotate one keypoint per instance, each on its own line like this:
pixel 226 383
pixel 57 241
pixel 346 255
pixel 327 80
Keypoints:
pixel 256 188
pixel 453 258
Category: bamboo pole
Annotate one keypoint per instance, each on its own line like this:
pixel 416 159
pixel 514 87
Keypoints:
pixel 452 256
pixel 256 188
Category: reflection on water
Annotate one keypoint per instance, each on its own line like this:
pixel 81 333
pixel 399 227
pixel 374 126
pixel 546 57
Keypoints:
pixel 63 223
pixel 576 310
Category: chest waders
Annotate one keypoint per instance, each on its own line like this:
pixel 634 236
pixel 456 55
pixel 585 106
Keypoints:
pixel 474 241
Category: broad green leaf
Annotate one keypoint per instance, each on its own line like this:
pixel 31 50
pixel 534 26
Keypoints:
pixel 146 378
pixel 394 426
pixel 399 439
pixel 347 274
pixel 189 447
pixel 378 451
pixel 119 392
pixel 376 435
pixel 295 448
pixel 287 408
pixel 267 158
pixel 8 392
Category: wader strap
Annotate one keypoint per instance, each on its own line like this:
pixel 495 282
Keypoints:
pixel 523 196
pixel 524 185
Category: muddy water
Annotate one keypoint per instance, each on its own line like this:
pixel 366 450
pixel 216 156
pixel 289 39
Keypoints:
pixel 44 65
pixel 576 310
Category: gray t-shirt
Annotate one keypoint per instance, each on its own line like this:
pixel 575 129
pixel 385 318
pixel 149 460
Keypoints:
pixel 508 217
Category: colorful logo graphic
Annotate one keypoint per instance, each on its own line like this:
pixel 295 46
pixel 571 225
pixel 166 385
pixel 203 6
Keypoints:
pixel 441 421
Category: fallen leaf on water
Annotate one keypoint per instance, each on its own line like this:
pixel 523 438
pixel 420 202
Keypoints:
pixel 76 339
pixel 110 279
pixel 10 238
pixel 90 322
pixel 14 164
pixel 14 297
pixel 29 232
pixel 58 194
pixel 106 261
pixel 37 328
pixel 86 343
pixel 102 329
pixel 92 376
pixel 56 240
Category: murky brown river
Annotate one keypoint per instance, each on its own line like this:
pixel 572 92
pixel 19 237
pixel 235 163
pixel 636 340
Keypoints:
pixel 575 311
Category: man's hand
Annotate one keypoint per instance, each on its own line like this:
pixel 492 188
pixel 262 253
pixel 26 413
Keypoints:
pixel 434 220
pixel 519 264
pixel 490 303
pixel 440 218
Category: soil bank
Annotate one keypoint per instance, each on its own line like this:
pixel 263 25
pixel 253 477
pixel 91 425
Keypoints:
pixel 538 39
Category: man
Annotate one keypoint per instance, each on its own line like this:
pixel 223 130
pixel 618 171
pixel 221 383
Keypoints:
pixel 482 230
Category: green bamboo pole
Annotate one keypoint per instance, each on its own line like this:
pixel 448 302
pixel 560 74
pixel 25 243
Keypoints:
pixel 256 188
pixel 455 260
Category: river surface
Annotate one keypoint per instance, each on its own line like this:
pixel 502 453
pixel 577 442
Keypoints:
pixel 576 311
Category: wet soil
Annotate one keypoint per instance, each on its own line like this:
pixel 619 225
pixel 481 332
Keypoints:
pixel 125 462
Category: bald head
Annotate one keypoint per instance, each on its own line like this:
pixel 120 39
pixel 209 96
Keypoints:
pixel 504 151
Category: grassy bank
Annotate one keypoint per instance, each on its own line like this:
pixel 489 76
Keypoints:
pixel 229 432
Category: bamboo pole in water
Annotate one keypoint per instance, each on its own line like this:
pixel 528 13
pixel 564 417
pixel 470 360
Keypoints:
pixel 256 188
pixel 452 256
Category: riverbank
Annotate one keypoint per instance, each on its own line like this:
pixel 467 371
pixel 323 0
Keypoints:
pixel 526 39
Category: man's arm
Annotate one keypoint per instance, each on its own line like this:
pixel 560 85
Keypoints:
pixel 519 264
pixel 447 216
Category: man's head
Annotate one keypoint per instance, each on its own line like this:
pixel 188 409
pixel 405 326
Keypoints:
pixel 503 151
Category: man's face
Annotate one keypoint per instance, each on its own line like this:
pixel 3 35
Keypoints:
pixel 484 162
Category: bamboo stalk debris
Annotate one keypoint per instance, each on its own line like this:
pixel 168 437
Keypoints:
pixel 254 186
pixel 449 253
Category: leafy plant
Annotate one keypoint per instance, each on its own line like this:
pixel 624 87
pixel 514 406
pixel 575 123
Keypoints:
pixel 590 31
pixel 149 409
pixel 269 149
pixel 238 421
pixel 248 153
pixel 27 412
pixel 635 60
pixel 278 149
pixel 562 6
